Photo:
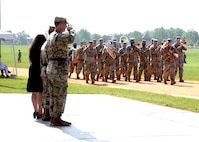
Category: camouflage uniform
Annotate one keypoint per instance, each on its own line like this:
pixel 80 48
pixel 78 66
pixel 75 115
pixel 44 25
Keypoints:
pixel 169 63
pixel 99 49
pixel 155 61
pixel 144 62
pixel 80 62
pixel 123 61
pixel 57 71
pixel 90 55
pixel 45 81
pixel 132 61
pixel 180 60
pixel 44 62
pixel 117 60
pixel 109 64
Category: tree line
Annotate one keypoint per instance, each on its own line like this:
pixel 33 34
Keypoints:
pixel 161 33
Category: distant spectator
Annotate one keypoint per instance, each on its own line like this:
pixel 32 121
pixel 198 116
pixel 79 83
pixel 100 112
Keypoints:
pixel 19 56
pixel 4 67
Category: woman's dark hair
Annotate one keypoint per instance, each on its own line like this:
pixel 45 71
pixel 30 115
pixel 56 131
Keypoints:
pixel 35 47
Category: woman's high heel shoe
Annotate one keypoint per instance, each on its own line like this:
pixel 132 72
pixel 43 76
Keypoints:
pixel 37 115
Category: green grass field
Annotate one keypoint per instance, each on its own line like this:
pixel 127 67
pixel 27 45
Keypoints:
pixel 18 85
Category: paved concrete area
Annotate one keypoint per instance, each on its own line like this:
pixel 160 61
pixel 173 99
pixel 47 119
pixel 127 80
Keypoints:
pixel 97 118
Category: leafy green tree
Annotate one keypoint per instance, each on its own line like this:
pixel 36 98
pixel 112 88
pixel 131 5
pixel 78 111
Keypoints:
pixel 192 37
pixel 22 38
pixel 83 35
pixel 160 34
pixel 135 34
pixel 95 36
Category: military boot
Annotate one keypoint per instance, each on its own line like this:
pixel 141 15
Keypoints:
pixel 181 80
pixel 158 79
pixel 69 75
pixel 87 78
pixel 78 76
pixel 106 78
pixel 97 78
pixel 46 115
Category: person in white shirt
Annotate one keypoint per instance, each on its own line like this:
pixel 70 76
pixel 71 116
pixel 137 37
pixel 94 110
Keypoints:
pixel 4 67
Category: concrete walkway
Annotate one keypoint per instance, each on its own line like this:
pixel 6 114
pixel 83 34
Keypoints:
pixel 97 118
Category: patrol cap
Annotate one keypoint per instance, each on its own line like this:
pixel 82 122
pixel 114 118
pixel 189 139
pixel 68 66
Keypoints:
pixel 169 39
pixel 60 20
pixel 83 41
pixel 156 40
pixel 100 39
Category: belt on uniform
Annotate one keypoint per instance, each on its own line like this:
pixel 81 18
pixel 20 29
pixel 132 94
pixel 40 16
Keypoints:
pixel 58 59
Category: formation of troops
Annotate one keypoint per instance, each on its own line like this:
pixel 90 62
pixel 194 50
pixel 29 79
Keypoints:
pixel 119 60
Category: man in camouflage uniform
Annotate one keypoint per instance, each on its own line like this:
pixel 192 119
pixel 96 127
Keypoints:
pixel 99 49
pixel 169 61
pixel 180 46
pixel 123 61
pixel 90 54
pixel 45 82
pixel 73 59
pixel 80 57
pixel 144 61
pixel 132 60
pixel 116 46
pixel 109 55
pixel 155 61
pixel 57 69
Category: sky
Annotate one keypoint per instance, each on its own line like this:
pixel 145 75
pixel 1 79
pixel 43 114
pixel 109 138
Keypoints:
pixel 99 16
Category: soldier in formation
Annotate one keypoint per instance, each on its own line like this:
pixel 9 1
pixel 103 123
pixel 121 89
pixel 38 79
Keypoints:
pixel 180 45
pixel 170 55
pixel 99 48
pixel 144 61
pixel 156 60
pixel 109 55
pixel 132 60
pixel 90 54
pixel 123 61
pixel 80 59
